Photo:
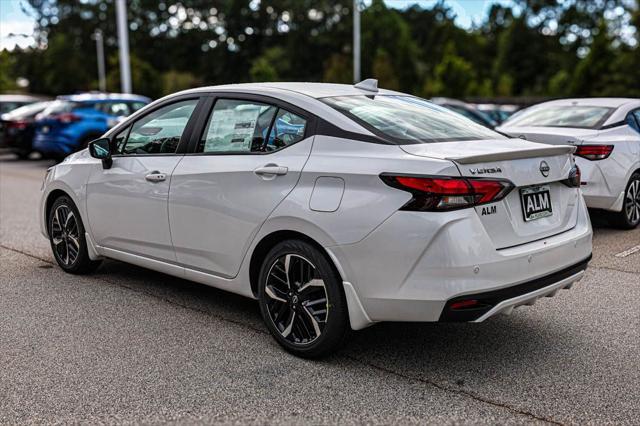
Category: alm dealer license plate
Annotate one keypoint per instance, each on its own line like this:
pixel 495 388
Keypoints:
pixel 536 202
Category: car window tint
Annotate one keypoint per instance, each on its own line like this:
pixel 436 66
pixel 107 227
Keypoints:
pixel 237 126
pixel 288 128
pixel 404 119
pixel 134 106
pixel 85 105
pixel 120 139
pixel 636 115
pixel 159 132
pixel 119 109
pixel 575 116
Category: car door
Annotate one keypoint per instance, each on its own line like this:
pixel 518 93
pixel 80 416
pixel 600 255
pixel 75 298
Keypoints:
pixel 247 160
pixel 127 203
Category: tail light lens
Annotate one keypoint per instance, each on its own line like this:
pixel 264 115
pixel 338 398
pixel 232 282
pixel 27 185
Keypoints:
pixel 448 193
pixel 17 124
pixel 594 152
pixel 573 181
pixel 66 117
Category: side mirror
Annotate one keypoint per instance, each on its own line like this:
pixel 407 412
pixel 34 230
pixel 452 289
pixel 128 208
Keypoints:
pixel 101 149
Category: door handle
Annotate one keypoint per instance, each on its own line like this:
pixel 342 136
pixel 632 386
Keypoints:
pixel 271 170
pixel 156 176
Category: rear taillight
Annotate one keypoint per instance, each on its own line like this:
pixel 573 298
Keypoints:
pixel 443 193
pixel 66 117
pixel 573 181
pixel 594 152
pixel 17 124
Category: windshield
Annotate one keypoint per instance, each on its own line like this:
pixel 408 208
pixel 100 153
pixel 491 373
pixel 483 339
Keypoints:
pixel 406 119
pixel 576 116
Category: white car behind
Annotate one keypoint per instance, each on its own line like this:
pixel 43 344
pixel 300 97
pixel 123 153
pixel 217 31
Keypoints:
pixel 606 133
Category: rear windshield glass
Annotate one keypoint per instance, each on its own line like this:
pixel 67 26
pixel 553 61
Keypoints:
pixel 58 107
pixel 407 119
pixel 26 111
pixel 576 116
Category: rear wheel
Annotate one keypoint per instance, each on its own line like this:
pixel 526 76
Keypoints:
pixel 629 217
pixel 66 235
pixel 302 301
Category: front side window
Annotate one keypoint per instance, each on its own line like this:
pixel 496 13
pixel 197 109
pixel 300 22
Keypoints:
pixel 407 119
pixel 159 132
pixel 238 126
pixel 574 116
pixel 635 116
pixel 120 139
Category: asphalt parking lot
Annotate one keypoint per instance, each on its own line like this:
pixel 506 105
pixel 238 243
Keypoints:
pixel 131 345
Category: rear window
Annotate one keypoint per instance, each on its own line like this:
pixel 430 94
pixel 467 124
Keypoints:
pixel 575 116
pixel 26 111
pixel 407 119
pixel 57 107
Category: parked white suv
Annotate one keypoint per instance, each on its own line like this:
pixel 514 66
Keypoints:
pixel 335 206
pixel 606 133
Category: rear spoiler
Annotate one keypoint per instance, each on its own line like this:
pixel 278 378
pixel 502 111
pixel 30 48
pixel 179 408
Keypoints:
pixel 515 154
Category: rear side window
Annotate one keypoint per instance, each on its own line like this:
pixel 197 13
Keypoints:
pixel 407 119
pixel 160 131
pixel 239 126
pixel 134 106
pixel 118 109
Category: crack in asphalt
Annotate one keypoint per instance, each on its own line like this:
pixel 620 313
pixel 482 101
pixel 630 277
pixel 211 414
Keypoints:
pixel 422 380
pixel 450 389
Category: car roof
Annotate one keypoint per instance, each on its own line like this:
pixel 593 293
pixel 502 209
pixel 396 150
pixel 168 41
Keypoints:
pixel 300 94
pixel 21 98
pixel 314 90
pixel 84 97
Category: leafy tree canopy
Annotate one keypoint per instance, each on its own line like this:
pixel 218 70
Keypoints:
pixel 532 47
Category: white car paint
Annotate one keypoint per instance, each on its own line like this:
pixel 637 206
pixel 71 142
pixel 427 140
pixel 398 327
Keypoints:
pixel 205 220
pixel 604 181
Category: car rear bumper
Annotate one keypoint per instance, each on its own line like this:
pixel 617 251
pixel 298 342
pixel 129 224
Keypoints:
pixel 505 300
pixel 413 265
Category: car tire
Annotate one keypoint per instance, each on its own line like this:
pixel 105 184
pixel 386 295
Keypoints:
pixel 629 217
pixel 23 154
pixel 304 308
pixel 67 239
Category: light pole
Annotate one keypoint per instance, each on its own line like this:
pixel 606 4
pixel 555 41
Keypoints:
pixel 356 41
pixel 123 44
pixel 102 81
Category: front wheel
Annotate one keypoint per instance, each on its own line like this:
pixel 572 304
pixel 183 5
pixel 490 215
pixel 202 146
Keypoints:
pixel 302 301
pixel 66 235
pixel 629 217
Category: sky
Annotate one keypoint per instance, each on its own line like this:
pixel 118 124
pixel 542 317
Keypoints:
pixel 16 27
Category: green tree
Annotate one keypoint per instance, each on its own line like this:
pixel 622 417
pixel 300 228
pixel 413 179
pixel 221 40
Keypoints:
pixel 269 66
pixel 7 73
pixel 338 69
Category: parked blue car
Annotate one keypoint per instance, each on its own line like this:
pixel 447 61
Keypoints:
pixel 71 122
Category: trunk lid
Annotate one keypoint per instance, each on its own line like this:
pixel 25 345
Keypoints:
pixel 550 135
pixel 525 165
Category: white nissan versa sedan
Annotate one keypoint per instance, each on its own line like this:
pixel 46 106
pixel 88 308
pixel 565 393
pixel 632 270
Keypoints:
pixel 606 133
pixel 335 206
